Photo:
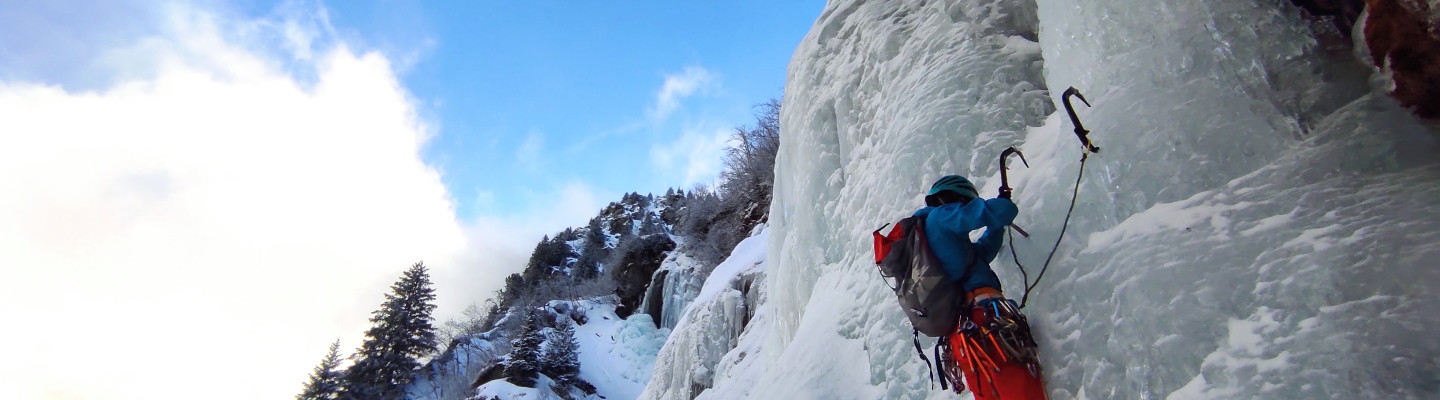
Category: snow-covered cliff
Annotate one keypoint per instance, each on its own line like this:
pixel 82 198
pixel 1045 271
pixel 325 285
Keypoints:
pixel 711 324
pixel 1261 222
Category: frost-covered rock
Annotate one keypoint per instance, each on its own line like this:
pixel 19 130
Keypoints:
pixel 616 357
pixel 452 374
pixel 711 326
pixel 673 287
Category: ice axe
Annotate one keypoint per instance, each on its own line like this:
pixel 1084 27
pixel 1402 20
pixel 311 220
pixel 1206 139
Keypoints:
pixel 1005 189
pixel 1079 129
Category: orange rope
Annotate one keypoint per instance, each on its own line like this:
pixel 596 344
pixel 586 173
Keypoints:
pixel 981 374
pixel 997 347
pixel 989 375
pixel 981 351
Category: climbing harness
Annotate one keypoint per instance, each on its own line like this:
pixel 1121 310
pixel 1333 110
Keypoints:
pixel 1001 337
pixel 1088 148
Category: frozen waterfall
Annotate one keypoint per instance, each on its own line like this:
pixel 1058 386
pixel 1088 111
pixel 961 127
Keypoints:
pixel 1256 225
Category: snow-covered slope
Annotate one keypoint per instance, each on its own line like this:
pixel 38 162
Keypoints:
pixel 1260 223
pixel 616 356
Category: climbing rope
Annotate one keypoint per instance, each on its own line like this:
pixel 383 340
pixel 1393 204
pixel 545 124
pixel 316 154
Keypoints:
pixel 1088 148
pixel 1074 195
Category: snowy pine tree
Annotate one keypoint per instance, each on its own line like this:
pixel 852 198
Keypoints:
pixel 402 333
pixel 325 382
pixel 525 354
pixel 562 354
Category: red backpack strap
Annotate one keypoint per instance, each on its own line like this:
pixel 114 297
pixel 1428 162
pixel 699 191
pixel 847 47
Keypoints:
pixel 883 243
pixel 882 246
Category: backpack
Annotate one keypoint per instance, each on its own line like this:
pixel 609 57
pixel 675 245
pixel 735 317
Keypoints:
pixel 931 301
pixel 926 294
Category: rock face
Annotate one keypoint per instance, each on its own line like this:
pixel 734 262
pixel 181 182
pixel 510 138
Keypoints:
pixel 636 268
pixel 674 286
pixel 1342 13
pixel 1404 41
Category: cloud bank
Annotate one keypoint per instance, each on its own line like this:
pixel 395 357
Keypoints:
pixel 211 225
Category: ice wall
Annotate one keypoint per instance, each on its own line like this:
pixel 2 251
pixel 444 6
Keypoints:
pixel 1261 223
pixel 674 285
pixel 711 326
pixel 883 97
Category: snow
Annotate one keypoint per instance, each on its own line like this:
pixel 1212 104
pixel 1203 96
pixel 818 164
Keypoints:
pixel 505 390
pixel 1260 223
pixel 617 355
pixel 747 256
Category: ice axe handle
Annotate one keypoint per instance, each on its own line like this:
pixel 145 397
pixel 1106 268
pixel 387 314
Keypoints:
pixel 1022 232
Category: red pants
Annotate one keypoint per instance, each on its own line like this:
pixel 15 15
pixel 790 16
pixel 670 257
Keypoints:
pixel 1011 382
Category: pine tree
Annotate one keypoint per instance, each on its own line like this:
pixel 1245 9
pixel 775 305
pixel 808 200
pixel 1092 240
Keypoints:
pixel 525 354
pixel 325 382
pixel 562 354
pixel 402 333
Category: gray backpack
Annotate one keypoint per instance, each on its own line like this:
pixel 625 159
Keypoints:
pixel 926 294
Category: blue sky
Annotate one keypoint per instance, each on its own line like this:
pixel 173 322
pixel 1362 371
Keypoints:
pixel 248 177
pixel 531 96
pixel 524 98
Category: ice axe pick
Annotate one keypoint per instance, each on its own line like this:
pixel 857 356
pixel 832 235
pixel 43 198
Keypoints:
pixel 1005 189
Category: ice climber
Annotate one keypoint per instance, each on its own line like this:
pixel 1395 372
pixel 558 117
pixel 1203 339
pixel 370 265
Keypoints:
pixel 954 209
pixel 991 346
pixel 946 288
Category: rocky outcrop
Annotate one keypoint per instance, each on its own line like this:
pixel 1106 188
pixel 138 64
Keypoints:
pixel 1403 37
pixel 1404 42
pixel 1342 14
pixel 636 266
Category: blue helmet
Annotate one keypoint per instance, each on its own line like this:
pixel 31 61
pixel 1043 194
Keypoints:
pixel 957 184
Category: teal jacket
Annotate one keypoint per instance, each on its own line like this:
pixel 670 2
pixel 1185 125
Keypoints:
pixel 948 228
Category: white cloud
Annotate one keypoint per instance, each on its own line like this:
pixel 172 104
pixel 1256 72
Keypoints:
pixel 216 221
pixel 697 155
pixel 679 86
